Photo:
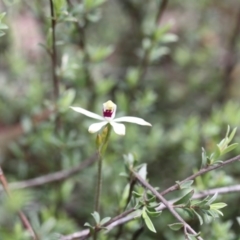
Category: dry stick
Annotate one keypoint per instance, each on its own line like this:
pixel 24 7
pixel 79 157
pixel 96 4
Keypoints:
pixel 200 172
pixel 54 177
pixel 187 228
pixel 22 216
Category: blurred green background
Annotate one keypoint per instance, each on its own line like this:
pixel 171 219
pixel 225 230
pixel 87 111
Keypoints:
pixel 180 72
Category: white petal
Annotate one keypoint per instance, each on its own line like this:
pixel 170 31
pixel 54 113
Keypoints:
pixel 87 113
pixel 118 128
pixel 95 127
pixel 136 120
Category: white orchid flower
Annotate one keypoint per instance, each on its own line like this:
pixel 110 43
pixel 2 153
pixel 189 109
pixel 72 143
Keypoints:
pixel 109 111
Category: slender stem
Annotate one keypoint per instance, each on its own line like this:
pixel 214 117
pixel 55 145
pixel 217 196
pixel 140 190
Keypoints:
pixel 165 202
pixel 54 53
pixel 99 184
pixel 22 216
pixel 101 150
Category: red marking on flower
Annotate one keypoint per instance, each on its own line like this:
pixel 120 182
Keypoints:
pixel 107 113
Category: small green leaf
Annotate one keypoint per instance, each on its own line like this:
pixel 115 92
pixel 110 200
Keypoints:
pixel 66 99
pixel 148 221
pixel 186 184
pixel 96 217
pixel 218 205
pixel 169 37
pixel 232 135
pixel 238 220
pixel 88 225
pixel 204 158
pixel 216 154
pixel 198 216
pixel 228 130
pixel 153 213
pixel 136 194
pixel 104 220
pixel 213 213
pixel 185 198
pixel 2 33
pixel 143 171
pixel 2 16
pixel 212 199
pixel 229 148
pixel 176 226
pixel 3 26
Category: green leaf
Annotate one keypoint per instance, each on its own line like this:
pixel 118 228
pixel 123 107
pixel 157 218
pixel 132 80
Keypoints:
pixel 148 221
pixel 232 135
pixel 212 199
pixel 176 226
pixel 213 213
pixel 3 26
pixel 2 33
pixel 218 205
pixel 66 99
pixel 216 154
pixel 143 171
pixel 169 37
pixel 186 184
pixel 90 4
pixel 157 53
pixel 185 199
pixel 198 216
pixel 98 54
pixel 136 194
pixel 229 148
pixel 153 213
pixel 238 220
pixel 2 16
pixel 96 217
pixel 104 220
pixel 204 158
pixel 88 225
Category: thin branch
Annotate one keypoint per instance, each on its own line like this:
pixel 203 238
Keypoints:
pixel 230 59
pixel 54 52
pixel 161 10
pixel 222 190
pixel 54 177
pixel 165 202
pixel 199 173
pixel 21 215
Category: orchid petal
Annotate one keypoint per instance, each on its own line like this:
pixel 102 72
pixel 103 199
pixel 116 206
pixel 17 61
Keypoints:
pixel 87 113
pixel 136 120
pixel 118 128
pixel 95 127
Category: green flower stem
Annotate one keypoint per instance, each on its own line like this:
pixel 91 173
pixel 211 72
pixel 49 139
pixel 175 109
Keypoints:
pixel 101 151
